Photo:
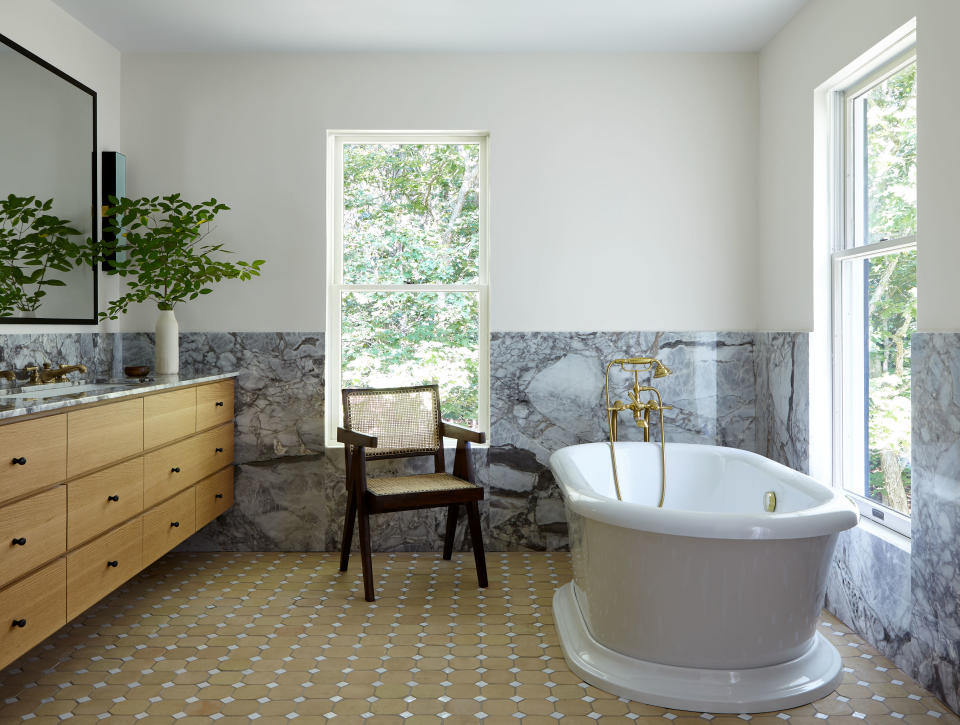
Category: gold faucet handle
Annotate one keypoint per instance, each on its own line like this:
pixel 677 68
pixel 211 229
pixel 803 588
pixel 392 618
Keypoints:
pixel 666 407
pixel 34 374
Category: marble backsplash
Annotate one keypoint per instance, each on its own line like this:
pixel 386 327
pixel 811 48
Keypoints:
pixel 94 350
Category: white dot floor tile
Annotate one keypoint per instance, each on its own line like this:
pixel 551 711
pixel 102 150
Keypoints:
pixel 286 638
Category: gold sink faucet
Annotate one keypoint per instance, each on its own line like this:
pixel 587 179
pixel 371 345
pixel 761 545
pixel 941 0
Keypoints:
pixel 48 374
pixel 641 410
pixel 8 375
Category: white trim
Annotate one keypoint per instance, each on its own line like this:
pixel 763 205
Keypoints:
pixel 885 59
pixel 334 283
pixel 877 249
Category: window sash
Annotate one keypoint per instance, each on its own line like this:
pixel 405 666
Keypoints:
pixel 336 287
pixel 849 247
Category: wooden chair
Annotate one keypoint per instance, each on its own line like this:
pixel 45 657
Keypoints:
pixel 401 423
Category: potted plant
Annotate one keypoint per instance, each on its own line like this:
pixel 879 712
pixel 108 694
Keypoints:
pixel 34 244
pixel 163 252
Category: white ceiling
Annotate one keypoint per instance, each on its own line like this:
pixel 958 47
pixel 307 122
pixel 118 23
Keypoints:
pixel 173 26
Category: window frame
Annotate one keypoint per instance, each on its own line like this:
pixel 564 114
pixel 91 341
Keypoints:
pixel 847 247
pixel 335 286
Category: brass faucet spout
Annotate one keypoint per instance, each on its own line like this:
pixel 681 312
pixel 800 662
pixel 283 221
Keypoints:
pixel 48 374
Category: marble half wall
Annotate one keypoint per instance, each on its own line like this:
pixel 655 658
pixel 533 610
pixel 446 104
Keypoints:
pixel 547 392
pixel 782 371
pixel 905 599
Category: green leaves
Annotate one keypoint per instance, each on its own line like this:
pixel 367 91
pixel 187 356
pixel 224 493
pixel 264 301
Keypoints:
pixel 164 253
pixel 33 244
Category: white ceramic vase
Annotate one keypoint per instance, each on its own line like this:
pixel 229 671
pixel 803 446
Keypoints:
pixel 167 344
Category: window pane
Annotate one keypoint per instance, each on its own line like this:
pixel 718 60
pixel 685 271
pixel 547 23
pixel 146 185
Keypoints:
pixel 410 338
pixel 887 118
pixel 411 213
pixel 881 295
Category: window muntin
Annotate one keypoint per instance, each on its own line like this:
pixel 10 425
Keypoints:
pixel 875 292
pixel 407 292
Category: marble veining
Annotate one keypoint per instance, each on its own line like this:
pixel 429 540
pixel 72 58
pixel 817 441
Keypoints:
pixel 935 577
pixel 781 370
pixel 68 396
pixel 95 350
pixel 547 392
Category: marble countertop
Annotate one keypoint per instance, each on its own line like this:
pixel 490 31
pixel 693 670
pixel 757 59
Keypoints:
pixel 40 398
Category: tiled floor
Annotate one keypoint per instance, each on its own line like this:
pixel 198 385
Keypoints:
pixel 277 637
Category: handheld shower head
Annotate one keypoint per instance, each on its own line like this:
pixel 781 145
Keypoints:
pixel 661 370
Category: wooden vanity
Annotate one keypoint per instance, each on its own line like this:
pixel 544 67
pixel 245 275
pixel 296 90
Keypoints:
pixel 93 493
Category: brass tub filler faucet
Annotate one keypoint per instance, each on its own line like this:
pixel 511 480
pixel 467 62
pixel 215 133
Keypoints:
pixel 641 410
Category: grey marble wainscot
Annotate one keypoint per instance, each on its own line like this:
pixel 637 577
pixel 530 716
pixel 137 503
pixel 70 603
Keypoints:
pixel 935 578
pixel 905 598
pixel 781 368
pixel 546 393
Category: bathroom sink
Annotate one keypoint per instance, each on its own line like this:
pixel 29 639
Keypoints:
pixel 30 393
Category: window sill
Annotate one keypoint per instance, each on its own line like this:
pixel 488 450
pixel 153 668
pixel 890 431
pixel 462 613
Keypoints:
pixel 886 534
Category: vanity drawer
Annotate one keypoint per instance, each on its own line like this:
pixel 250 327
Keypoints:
pixel 216 448
pixel 214 496
pixel 214 404
pixel 39 602
pixel 169 416
pixel 103 499
pixel 95 570
pixel 33 454
pixel 32 533
pixel 99 436
pixel 168 524
pixel 172 469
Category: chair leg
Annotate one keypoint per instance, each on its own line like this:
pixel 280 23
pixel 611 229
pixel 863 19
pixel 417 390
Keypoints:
pixel 453 511
pixel 365 558
pixel 348 530
pixel 473 516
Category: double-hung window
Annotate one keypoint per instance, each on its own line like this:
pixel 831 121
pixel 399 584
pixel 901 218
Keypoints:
pixel 874 267
pixel 407 268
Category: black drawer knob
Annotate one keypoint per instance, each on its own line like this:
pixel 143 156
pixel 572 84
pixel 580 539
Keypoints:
pixel 219 450
pixel 175 524
pixel 219 404
pixel 19 542
pixel 113 563
pixel 218 495
pixel 114 497
pixel 19 622
pixel 175 470
pixel 21 461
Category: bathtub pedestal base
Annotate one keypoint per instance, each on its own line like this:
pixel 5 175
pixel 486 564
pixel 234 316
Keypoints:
pixel 762 689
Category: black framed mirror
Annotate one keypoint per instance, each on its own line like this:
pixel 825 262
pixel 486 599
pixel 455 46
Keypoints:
pixel 48 145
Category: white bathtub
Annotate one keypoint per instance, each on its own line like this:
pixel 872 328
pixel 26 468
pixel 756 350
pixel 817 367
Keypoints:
pixel 709 603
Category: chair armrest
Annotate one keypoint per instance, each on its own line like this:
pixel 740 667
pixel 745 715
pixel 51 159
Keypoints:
pixel 449 430
pixel 355 438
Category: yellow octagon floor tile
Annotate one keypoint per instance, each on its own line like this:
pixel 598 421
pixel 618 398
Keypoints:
pixel 285 637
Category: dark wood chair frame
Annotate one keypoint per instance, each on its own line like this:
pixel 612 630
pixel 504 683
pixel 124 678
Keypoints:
pixel 361 503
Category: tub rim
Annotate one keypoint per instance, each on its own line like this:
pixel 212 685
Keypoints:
pixel 835 513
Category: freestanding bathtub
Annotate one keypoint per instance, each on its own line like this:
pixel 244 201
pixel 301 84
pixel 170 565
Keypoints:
pixel 709 603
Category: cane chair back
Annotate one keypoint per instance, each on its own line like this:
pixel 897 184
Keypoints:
pixel 405 421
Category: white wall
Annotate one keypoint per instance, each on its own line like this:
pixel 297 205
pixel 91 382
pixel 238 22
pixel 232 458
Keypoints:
pixel 45 29
pixel 823 38
pixel 623 186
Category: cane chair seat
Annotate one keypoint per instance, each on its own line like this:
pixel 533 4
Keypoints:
pixel 418 483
